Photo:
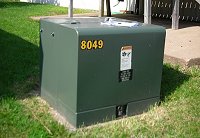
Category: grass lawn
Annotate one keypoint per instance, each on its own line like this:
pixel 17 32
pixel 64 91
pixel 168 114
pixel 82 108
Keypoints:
pixel 24 114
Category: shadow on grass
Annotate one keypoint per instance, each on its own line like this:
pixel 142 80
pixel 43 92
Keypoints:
pixel 172 78
pixel 16 4
pixel 19 68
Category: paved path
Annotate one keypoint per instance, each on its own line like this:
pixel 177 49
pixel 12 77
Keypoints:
pixel 181 47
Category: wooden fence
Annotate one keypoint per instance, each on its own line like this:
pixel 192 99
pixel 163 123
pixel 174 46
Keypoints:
pixel 189 9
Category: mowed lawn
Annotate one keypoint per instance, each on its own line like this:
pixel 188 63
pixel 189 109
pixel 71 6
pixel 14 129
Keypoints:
pixel 24 114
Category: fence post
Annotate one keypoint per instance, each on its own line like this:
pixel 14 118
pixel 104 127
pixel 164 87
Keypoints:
pixel 175 14
pixel 108 8
pixel 147 11
pixel 101 8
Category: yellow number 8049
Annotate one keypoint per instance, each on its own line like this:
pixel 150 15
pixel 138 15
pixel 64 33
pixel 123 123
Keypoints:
pixel 91 44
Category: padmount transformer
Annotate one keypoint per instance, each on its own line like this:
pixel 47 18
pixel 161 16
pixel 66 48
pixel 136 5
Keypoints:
pixel 95 69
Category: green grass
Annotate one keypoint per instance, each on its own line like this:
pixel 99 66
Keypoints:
pixel 24 114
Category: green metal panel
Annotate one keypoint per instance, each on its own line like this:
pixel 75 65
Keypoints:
pixel 140 106
pixel 60 61
pixel 84 85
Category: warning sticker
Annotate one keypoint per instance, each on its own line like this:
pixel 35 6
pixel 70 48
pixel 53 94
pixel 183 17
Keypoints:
pixel 125 75
pixel 125 58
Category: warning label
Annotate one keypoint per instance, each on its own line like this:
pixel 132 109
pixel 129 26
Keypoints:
pixel 125 58
pixel 125 75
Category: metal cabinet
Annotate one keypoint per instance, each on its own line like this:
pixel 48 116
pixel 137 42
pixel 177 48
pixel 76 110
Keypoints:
pixel 93 72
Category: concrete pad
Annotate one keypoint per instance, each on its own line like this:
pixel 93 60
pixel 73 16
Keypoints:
pixel 182 46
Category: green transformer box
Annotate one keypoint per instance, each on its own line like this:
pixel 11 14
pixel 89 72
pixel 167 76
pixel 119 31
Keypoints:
pixel 95 69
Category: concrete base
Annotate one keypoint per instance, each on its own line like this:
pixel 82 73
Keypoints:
pixel 183 46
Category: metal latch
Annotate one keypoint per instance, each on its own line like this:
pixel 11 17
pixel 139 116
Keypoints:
pixel 121 110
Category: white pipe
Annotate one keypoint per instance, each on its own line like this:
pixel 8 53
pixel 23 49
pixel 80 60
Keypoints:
pixel 70 8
